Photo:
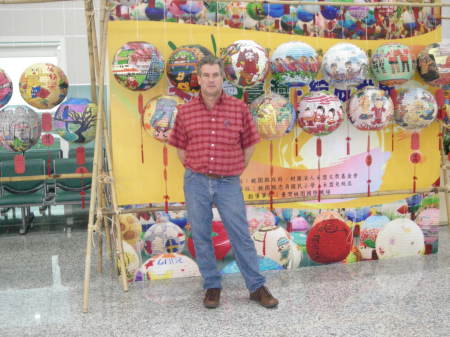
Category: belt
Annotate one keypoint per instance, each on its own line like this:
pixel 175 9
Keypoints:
pixel 214 176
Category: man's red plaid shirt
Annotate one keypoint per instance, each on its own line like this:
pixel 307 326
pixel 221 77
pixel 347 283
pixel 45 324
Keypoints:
pixel 214 140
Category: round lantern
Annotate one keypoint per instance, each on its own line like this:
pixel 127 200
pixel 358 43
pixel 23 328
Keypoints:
pixel 259 217
pixel 256 11
pixel 164 237
pixel 138 65
pixel 320 113
pixel 345 65
pixel 191 6
pixel 264 264
pixel 131 260
pixel 370 109
pixel 326 215
pixel 358 12
pixel 130 228
pixel 433 64
pixel 181 67
pixel 392 64
pixel 157 11
pixel 304 15
pixel 75 120
pixel 43 85
pixel 6 88
pixel 416 108
pixel 275 243
pixel 400 237
pixel 166 266
pixel 221 243
pixel 370 228
pixel 159 116
pixel 329 240
pixel 294 64
pixel 272 114
pixel 246 63
pixel 428 217
pixel 20 127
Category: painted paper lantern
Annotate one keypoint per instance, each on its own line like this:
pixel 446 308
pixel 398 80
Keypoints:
pixel 299 224
pixel 272 114
pixel 320 113
pixel 159 116
pixel 173 7
pixel 20 128
pixel 294 64
pixel 164 237
pixel 157 11
pixel 400 237
pixel 326 215
pixel 329 12
pixel 191 6
pixel 6 88
pixel 345 65
pixel 131 260
pixel 329 240
pixel 370 109
pixel 220 240
pixel 368 235
pixel 246 63
pixel 358 12
pixel 428 217
pixel 304 15
pixel 215 12
pixel 256 11
pixel 181 67
pixel 130 227
pixel 357 214
pixel 138 65
pixel 433 64
pixel 274 10
pixel 393 64
pixel 416 108
pixel 259 217
pixel 75 120
pixel 170 265
pixel 178 217
pixel 275 243
pixel 43 85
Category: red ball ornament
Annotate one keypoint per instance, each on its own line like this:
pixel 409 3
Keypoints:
pixel 329 241
pixel 221 243
pixel 415 157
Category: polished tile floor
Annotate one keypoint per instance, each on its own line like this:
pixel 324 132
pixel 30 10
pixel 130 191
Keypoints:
pixel 41 287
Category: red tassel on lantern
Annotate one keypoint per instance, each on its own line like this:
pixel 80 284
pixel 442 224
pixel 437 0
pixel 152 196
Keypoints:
pixel 165 163
pixel 318 154
pixel 80 155
pixel 271 193
pixel 82 170
pixel 19 164
pixel 47 139
pixel 141 113
pixel 440 100
pixel 368 161
pixel 394 97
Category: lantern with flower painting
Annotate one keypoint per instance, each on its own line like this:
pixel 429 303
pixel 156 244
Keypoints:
pixel 6 88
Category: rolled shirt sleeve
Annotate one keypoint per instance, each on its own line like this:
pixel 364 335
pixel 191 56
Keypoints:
pixel 177 136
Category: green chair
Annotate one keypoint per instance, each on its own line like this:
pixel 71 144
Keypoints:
pixel 67 190
pixel 23 194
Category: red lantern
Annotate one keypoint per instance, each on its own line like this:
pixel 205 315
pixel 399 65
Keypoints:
pixel 221 243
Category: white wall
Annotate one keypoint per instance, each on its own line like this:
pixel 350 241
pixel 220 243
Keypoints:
pixel 62 20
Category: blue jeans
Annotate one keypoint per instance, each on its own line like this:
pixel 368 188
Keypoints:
pixel 201 193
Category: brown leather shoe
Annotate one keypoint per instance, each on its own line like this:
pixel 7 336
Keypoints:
pixel 212 298
pixel 263 296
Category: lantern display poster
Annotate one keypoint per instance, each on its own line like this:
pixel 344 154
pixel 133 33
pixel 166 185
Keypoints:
pixel 295 173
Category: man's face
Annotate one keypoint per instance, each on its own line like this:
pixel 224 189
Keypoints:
pixel 210 80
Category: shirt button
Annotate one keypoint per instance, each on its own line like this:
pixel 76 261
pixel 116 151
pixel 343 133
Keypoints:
pixel 212 158
pixel 212 145
pixel 213 132
pixel 213 119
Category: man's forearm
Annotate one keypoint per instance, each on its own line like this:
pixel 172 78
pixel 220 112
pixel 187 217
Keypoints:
pixel 181 155
pixel 248 152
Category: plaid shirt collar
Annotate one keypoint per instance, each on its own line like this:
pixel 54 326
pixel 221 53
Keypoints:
pixel 220 100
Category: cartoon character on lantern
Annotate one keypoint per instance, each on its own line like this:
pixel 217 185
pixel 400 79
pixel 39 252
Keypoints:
pixel 159 116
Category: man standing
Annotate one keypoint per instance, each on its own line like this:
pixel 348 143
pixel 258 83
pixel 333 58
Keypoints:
pixel 215 136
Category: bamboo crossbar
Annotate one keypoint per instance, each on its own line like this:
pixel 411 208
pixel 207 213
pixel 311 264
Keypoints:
pixel 109 212
pixel 282 2
pixel 46 177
